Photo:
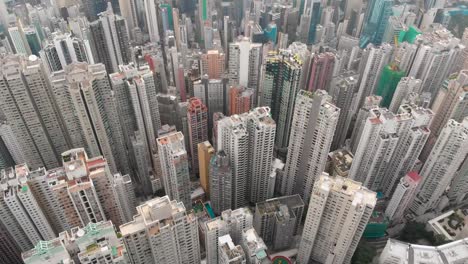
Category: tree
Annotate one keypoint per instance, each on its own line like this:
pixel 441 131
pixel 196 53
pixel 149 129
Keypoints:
pixel 364 253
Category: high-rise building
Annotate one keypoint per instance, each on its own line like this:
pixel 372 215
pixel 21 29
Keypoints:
pixel 197 116
pixel 213 230
pixel 87 105
pixel 248 141
pixel 406 86
pixel 375 22
pixel 109 35
pixel 241 100
pixel 451 103
pixel 128 9
pixel 64 50
pixel 372 62
pixel 30 108
pixel 238 220
pixel 9 250
pixel 338 213
pixel 205 154
pixel 277 220
pixel 125 193
pixel 281 82
pixel 94 243
pixel 228 252
pixel 389 146
pixel 314 121
pixel 321 71
pixel 19 201
pixel 138 111
pixel 457 192
pixel 254 247
pixel 342 91
pixel 174 165
pixel 221 182
pixel 441 165
pixel 403 197
pixel 163 231
pixel 370 103
pixel 232 137
pixel 152 21
pixel 18 39
pixel 244 63
pixel 261 130
pixel 439 54
pixel 212 64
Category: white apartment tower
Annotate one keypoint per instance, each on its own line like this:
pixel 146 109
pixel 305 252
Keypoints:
pixel 441 166
pixel 228 252
pixel 338 213
pixel 214 229
pixel 314 122
pixel 162 232
pixel 406 86
pixel 29 105
pixel 457 193
pixel 124 192
pixel 370 103
pixel 261 129
pixel 151 9
pixel 64 50
pixel 373 60
pixel 389 146
pixel 18 201
pixel 438 55
pixel 451 103
pixel 342 93
pixel 238 220
pixel 244 63
pixel 174 165
pixel 233 139
pixel 220 182
pixel 403 197
pixel 88 108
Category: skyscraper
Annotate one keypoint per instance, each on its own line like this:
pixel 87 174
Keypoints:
pixel 205 154
pixel 124 192
pixel 228 252
pixel 87 105
pixel 280 84
pixel 241 100
pixel 90 244
pixel 277 220
pixel 244 63
pixel 439 170
pixel 197 116
pixel 29 105
pixel 451 103
pixel 457 192
pixel 152 14
pixel 338 213
pixel 221 182
pixel 174 165
pixel 214 229
pixel 314 122
pixel 64 50
pixel 389 146
pixel 111 40
pixel 342 92
pixel 375 22
pixel 372 62
pixel 212 64
pixel 370 103
pixel 162 224
pixel 439 54
pixel 232 137
pixel 321 71
pixel 403 197
pixel 406 86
